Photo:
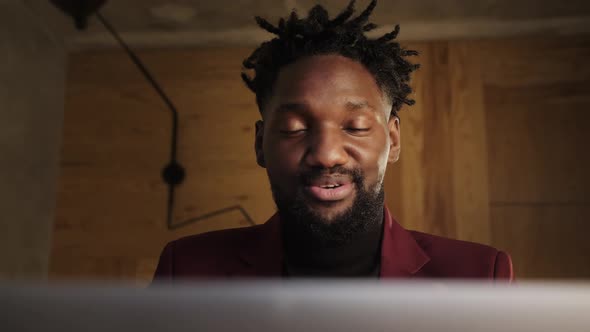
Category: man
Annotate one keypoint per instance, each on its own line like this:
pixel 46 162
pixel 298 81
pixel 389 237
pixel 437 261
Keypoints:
pixel 329 99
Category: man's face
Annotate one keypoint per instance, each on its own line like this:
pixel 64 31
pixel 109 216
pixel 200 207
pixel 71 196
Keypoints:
pixel 327 136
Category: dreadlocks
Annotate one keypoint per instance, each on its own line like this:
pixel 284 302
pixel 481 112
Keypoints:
pixel 343 35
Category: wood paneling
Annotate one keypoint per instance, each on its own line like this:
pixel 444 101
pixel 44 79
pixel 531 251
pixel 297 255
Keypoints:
pixel 112 202
pixel 424 200
pixel 493 151
pixel 537 100
pixel 545 241
pixel 546 130
pixel 470 180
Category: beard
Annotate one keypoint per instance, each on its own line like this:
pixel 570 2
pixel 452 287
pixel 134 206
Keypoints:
pixel 300 223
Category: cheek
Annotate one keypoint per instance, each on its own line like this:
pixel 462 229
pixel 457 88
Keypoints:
pixel 383 156
pixel 382 164
pixel 372 156
pixel 282 158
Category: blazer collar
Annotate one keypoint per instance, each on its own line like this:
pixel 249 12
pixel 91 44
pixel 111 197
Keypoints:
pixel 401 255
pixel 262 255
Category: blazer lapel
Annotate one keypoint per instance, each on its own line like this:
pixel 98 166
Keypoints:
pixel 261 255
pixel 401 256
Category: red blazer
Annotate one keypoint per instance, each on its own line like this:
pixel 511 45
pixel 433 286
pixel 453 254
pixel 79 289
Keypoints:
pixel 256 252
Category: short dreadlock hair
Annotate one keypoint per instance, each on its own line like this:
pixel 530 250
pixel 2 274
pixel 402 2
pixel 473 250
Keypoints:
pixel 317 35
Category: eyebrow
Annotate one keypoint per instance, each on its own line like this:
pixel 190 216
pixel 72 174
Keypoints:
pixel 353 106
pixel 350 105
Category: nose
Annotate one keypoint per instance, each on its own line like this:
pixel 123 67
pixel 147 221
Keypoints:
pixel 326 148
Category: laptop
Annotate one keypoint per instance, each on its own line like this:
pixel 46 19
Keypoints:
pixel 297 305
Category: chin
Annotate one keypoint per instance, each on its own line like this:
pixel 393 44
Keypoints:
pixel 328 212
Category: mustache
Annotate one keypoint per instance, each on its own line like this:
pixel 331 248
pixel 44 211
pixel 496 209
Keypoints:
pixel 314 174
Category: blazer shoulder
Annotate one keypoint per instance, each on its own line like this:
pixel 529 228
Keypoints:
pixel 203 255
pixel 463 259
pixel 220 240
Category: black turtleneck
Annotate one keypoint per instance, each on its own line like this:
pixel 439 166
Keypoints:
pixel 359 257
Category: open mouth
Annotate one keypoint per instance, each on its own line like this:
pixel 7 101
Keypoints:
pixel 329 191
pixel 330 186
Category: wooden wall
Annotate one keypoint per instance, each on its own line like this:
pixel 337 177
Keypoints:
pixel 31 112
pixel 493 151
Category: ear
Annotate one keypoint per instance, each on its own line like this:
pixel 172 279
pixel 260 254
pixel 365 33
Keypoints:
pixel 258 143
pixel 394 139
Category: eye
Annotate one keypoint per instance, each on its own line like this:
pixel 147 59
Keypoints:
pixel 357 131
pixel 293 132
pixel 354 129
pixel 359 125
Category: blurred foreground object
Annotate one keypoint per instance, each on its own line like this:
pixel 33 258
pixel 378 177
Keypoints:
pixel 298 306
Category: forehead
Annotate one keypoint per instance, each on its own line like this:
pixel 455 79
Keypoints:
pixel 326 82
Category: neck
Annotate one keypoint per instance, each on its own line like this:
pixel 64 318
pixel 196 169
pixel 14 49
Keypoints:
pixel 307 256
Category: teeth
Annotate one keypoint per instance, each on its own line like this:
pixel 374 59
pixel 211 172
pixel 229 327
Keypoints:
pixel 331 186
